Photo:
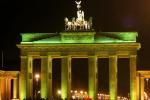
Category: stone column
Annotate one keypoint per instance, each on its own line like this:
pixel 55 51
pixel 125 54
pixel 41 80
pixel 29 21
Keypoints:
pixel 92 68
pixel 138 86
pixel 138 83
pixel 8 88
pixel 142 88
pixel 133 82
pixel 46 77
pixel 15 88
pixel 23 79
pixel 50 94
pixel 113 77
pixel 0 89
pixel 29 77
pixel 66 77
pixel 4 88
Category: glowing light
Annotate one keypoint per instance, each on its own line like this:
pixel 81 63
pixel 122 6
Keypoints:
pixel 71 91
pixel 85 92
pixel 59 92
pixel 37 76
pixel 39 92
pixel 146 96
pixel 75 91
pixel 81 92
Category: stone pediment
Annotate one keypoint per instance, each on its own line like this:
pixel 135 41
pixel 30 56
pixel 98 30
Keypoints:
pixel 79 37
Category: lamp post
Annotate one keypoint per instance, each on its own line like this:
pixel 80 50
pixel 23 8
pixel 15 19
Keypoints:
pixel 147 82
pixel 37 76
pixel 59 94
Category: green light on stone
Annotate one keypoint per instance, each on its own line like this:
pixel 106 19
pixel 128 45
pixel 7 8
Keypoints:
pixel 30 37
pixel 79 37
pixel 91 85
pixel 112 94
pixel 44 78
pixel 133 94
pixel 91 93
pixel 22 90
pixel 22 95
pixel 63 91
pixel 43 92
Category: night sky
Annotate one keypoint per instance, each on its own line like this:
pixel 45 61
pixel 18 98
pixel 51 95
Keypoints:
pixel 18 16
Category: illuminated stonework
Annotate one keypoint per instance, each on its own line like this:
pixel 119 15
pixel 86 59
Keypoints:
pixel 78 40
pixel 79 37
pixel 5 85
pixel 79 44
pixel 141 75
pixel 78 23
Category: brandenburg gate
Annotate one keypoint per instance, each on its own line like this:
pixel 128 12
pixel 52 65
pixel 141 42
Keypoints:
pixel 68 45
pixel 78 40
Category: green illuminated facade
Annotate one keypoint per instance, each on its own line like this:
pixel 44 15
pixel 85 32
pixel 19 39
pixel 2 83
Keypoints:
pixel 79 40
pixel 79 37
pixel 76 44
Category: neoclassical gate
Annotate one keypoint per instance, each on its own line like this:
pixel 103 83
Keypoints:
pixel 68 45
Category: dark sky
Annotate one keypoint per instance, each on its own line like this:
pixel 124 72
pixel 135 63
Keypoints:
pixel 19 16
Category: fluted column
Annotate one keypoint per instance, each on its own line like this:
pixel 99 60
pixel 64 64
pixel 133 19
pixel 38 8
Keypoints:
pixel 66 77
pixel 8 88
pixel 133 82
pixel 46 77
pixel 113 77
pixel 15 88
pixel 138 86
pixel 4 88
pixel 50 94
pixel 92 68
pixel 23 79
pixel 29 77
pixel 0 89
pixel 142 88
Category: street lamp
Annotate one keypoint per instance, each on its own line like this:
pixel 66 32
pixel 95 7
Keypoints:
pixel 59 93
pixel 147 82
pixel 37 76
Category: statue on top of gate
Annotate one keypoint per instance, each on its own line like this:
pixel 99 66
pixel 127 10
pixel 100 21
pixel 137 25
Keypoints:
pixel 78 23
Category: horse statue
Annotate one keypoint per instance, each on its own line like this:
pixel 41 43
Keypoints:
pixel 90 22
pixel 68 24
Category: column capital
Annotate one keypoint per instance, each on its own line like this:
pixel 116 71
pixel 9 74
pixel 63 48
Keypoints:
pixel 92 56
pixel 30 56
pixel 142 77
pixel 44 56
pixel 23 57
pixel 134 52
pixel 66 56
pixel 113 55
pixel 132 56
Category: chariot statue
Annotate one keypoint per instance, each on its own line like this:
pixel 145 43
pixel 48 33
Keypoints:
pixel 78 23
